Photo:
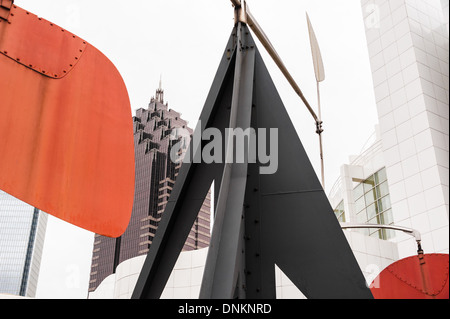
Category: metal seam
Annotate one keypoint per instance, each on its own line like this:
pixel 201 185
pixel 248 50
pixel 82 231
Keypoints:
pixel 35 68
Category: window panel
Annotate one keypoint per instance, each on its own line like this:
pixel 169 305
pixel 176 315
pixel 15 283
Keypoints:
pixel 382 189
pixel 370 197
pixel 368 184
pixel 372 211
pixel 360 205
pixel 380 176
pixel 373 205
pixel 358 191
pixel 384 203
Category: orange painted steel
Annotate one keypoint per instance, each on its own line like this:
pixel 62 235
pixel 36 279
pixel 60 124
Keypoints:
pixel 414 278
pixel 66 133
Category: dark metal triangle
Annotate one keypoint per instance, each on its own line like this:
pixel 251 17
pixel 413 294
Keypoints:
pixel 290 218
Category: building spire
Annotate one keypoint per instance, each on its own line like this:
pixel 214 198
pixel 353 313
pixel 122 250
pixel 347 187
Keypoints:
pixel 160 92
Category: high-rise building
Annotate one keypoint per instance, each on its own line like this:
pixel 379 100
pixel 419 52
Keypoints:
pixel 22 233
pixel 156 130
pixel 403 178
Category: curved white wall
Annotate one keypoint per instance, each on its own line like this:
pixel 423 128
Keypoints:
pixel 372 254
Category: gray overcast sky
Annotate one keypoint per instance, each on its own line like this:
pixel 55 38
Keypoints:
pixel 183 41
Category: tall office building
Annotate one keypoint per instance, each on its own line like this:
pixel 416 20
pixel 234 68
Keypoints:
pixel 403 178
pixel 156 130
pixel 22 233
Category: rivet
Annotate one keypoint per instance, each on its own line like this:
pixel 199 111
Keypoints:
pixel 76 58
pixel 70 65
pixel 43 71
pixel 64 71
pixel 18 59
pixel 56 75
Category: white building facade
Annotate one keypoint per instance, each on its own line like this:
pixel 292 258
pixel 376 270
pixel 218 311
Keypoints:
pixel 408 48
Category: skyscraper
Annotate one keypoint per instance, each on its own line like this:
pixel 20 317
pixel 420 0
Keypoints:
pixel 22 232
pixel 156 130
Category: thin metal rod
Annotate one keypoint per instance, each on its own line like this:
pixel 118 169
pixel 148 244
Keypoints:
pixel 318 100
pixel 319 131
pixel 410 231
pixel 253 24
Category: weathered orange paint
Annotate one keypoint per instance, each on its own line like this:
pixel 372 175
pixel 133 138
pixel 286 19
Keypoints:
pixel 66 134
pixel 410 278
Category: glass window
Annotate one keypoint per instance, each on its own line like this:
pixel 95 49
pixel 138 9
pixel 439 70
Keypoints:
pixel 382 189
pixel 339 212
pixel 384 203
pixel 373 205
pixel 360 205
pixel 371 211
pixel 370 197
pixel 361 217
pixel 358 191
pixel 380 176
pixel 386 218
pixel 369 183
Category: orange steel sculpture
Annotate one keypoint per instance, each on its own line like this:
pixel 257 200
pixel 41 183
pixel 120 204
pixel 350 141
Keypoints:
pixel 416 277
pixel 66 133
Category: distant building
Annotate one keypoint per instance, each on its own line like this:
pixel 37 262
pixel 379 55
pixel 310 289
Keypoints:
pixel 22 233
pixel 156 130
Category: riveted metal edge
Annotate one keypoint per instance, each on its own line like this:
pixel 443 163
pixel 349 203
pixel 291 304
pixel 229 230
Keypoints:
pixel 64 71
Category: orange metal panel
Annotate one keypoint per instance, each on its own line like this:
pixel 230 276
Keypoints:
pixel 411 278
pixel 66 136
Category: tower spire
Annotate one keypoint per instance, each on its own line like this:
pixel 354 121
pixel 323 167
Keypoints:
pixel 160 92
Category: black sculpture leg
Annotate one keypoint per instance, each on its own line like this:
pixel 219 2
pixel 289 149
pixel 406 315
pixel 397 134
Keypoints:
pixel 225 259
